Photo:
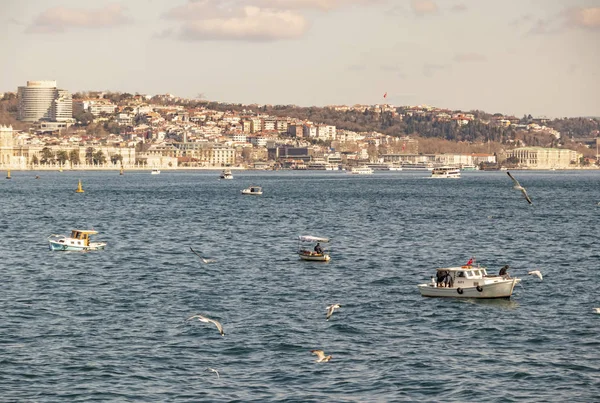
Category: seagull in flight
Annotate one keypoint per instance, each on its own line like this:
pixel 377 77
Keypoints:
pixel 208 320
pixel 321 356
pixel 519 187
pixel 215 371
pixel 332 308
pixel 204 260
pixel 536 273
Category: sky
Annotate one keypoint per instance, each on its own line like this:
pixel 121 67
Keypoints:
pixel 515 57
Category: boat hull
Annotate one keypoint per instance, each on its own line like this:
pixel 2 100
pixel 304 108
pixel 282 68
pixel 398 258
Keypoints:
pixel 501 289
pixel 314 257
pixel 56 245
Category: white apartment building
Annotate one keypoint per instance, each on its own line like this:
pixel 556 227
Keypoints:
pixel 41 100
pixel 309 131
pixel 268 124
pixel 94 106
pixel 326 132
pixel 222 156
pixel 255 125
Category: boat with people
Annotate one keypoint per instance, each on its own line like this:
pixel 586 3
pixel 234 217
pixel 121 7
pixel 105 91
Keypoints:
pixel 155 171
pixel 252 190
pixel 79 240
pixel 445 172
pixel 469 281
pixel 362 170
pixel 226 174
pixel 318 253
pixel 417 166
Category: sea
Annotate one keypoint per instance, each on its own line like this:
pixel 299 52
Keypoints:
pixel 110 325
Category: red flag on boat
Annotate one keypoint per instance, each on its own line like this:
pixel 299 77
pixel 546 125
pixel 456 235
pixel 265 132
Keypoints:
pixel 470 262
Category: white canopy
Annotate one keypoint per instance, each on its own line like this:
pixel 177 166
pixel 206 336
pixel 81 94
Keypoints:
pixel 310 238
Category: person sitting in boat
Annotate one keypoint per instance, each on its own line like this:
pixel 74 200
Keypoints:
pixel 441 275
pixel 503 271
pixel 318 248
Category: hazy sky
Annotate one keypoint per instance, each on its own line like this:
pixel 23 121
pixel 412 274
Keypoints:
pixel 509 56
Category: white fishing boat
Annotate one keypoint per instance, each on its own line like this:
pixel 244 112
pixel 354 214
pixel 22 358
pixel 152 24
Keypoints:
pixel 79 240
pixel 445 172
pixel 469 282
pixel 155 171
pixel 252 190
pixel 226 174
pixel 362 170
pixel 318 253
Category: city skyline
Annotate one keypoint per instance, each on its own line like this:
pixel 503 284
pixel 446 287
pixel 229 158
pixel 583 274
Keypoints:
pixel 532 57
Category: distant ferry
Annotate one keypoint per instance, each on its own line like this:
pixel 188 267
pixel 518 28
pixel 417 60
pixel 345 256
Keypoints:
pixel 418 166
pixel 445 172
pixel 321 166
pixel 364 170
pixel 469 167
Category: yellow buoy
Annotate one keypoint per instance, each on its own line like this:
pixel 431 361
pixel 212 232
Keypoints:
pixel 79 188
pixel 8 174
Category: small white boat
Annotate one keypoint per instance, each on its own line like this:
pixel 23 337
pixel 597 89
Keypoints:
pixel 445 172
pixel 469 282
pixel 363 170
pixel 317 253
pixel 155 171
pixel 252 190
pixel 226 174
pixel 79 240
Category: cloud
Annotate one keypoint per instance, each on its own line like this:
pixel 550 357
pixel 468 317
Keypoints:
pixel 323 5
pixel 206 22
pixel 430 69
pixel 423 7
pixel 457 8
pixel 469 58
pixel 582 17
pixel 59 19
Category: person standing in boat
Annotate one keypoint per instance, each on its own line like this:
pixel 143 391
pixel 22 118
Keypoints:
pixel 318 248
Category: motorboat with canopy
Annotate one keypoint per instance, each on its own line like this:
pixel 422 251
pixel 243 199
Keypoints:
pixel 318 253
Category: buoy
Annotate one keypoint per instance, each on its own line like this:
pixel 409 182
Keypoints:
pixel 8 174
pixel 121 172
pixel 79 188
pixel 60 170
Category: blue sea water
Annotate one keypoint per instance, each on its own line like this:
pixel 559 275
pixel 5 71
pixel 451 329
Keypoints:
pixel 111 325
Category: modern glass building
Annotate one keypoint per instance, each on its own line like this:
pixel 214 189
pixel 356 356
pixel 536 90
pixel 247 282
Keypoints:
pixel 41 100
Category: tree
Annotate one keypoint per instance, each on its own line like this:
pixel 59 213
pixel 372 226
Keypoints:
pixel 99 158
pixel 116 158
pixel 74 156
pixel 62 156
pixel 35 160
pixel 47 155
pixel 84 117
pixel 89 155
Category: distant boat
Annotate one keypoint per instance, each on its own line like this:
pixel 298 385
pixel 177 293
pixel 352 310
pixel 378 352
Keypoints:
pixel 445 172
pixel 226 174
pixel 253 190
pixel 79 240
pixel 363 170
pixel 155 171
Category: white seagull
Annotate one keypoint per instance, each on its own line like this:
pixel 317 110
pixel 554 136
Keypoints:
pixel 208 320
pixel 519 187
pixel 204 260
pixel 597 310
pixel 215 371
pixel 321 357
pixel 332 308
pixel 536 273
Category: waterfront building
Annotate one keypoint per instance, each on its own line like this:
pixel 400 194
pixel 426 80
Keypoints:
pixel 41 100
pixel 6 144
pixel 545 158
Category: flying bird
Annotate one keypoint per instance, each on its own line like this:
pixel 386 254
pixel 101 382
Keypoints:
pixel 204 260
pixel 208 320
pixel 536 273
pixel 321 356
pixel 215 371
pixel 519 187
pixel 332 308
